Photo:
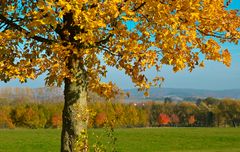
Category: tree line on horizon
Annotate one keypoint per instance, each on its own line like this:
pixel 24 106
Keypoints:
pixel 13 95
pixel 209 112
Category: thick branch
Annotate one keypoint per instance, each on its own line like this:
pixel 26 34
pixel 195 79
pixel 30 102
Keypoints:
pixel 213 35
pixel 105 40
pixel 110 52
pixel 228 3
pixel 139 7
pixel 21 29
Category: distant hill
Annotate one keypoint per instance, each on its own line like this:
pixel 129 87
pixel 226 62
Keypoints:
pixel 55 94
pixel 39 95
pixel 26 94
pixel 181 94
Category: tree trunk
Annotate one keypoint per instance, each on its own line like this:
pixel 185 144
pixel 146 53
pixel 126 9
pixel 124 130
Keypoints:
pixel 234 124
pixel 75 116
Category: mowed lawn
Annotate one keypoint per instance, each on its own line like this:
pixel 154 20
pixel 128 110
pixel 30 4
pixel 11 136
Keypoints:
pixel 130 140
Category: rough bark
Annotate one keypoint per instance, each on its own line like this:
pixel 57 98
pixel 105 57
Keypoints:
pixel 75 116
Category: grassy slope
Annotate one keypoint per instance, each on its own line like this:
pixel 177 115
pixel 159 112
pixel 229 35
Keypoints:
pixel 131 140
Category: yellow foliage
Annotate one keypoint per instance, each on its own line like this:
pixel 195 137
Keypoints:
pixel 67 38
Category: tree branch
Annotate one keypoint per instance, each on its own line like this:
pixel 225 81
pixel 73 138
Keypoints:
pixel 110 52
pixel 213 35
pixel 21 29
pixel 139 7
pixel 105 40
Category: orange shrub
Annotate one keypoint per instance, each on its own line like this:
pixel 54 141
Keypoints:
pixel 100 119
pixel 56 121
pixel 191 120
pixel 163 119
pixel 175 119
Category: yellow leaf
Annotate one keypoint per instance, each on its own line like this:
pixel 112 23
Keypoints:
pixel 146 94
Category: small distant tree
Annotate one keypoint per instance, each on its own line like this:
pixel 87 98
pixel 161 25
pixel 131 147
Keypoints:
pixel 230 110
pixel 211 101
pixel 168 100
pixel 163 119
pixel 120 114
pixel 101 119
pixel 5 119
pixel 56 121
pixel 154 114
pixel 185 110
pixel 191 120
pixel 175 119
pixel 29 116
pixel 132 115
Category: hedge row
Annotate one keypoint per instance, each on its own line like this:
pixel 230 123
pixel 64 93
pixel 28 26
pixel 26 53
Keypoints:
pixel 209 112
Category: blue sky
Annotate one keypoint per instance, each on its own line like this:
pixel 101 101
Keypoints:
pixel 215 76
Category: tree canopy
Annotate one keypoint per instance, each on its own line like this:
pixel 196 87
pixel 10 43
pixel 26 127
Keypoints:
pixel 39 36
pixel 74 41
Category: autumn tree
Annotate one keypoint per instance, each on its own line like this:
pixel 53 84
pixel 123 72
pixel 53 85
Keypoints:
pixel 185 110
pixel 163 119
pixel 191 120
pixel 74 41
pixel 175 119
pixel 56 121
pixel 5 119
pixel 230 110
pixel 100 119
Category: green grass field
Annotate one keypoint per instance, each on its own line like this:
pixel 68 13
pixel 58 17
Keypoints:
pixel 130 140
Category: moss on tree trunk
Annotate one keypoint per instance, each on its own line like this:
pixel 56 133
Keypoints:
pixel 75 116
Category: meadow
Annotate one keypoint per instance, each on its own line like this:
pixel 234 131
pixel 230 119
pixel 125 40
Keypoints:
pixel 129 140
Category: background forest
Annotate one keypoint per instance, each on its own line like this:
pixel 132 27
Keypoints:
pixel 42 108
